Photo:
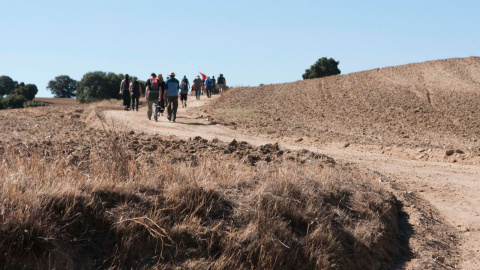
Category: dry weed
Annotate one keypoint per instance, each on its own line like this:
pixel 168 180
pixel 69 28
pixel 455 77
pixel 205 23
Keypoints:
pixel 116 199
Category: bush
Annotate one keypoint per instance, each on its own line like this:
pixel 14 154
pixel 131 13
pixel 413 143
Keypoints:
pixel 34 103
pixel 14 101
pixel 29 91
pixel 322 68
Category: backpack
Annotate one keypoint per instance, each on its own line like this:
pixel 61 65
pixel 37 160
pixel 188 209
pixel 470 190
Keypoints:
pixel 184 86
pixel 220 80
pixel 208 82
pixel 153 92
pixel 154 84
pixel 135 90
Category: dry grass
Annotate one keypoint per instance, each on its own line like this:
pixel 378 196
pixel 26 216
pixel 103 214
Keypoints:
pixel 113 199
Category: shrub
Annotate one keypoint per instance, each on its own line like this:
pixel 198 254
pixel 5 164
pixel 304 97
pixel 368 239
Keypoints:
pixel 322 68
pixel 34 103
pixel 29 91
pixel 14 101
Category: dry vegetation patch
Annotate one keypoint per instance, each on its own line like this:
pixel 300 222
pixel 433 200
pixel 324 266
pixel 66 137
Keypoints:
pixel 77 197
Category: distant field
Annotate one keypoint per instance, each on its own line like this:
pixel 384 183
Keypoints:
pixel 58 101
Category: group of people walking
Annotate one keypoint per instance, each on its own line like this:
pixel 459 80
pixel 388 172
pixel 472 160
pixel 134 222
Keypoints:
pixel 160 93
pixel 208 85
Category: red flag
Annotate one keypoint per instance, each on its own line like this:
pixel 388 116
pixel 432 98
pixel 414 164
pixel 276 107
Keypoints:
pixel 203 76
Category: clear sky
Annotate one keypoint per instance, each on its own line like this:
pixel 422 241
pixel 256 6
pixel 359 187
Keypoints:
pixel 250 42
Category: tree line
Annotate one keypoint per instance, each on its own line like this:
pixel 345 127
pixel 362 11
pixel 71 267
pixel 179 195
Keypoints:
pixel 16 95
pixel 93 86
pixel 99 85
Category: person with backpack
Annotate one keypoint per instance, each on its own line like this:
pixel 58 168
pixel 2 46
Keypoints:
pixel 222 84
pixel 152 95
pixel 209 84
pixel 125 92
pixel 184 86
pixel 197 85
pixel 172 87
pixel 135 92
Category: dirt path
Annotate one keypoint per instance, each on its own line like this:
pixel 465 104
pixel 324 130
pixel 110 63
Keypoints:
pixel 450 193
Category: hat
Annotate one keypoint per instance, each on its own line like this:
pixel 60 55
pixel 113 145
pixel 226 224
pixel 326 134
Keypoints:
pixel 172 74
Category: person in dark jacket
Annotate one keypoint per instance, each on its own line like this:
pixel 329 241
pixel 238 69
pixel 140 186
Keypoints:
pixel 161 101
pixel 222 84
pixel 184 86
pixel 135 92
pixel 125 92
pixel 198 87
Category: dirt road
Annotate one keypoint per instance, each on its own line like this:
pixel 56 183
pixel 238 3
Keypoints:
pixel 440 200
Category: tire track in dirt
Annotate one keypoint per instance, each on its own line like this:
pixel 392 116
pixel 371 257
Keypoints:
pixel 324 94
pixel 453 189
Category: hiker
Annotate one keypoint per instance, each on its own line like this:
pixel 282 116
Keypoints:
pixel 197 84
pixel 204 89
pixel 214 85
pixel 184 86
pixel 222 84
pixel 161 101
pixel 152 95
pixel 135 92
pixel 209 85
pixel 172 87
pixel 125 92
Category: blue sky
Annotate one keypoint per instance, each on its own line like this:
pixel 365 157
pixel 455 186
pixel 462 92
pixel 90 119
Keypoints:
pixel 250 42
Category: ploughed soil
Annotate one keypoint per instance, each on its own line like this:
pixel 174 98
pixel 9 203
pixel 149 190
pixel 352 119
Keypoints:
pixel 431 106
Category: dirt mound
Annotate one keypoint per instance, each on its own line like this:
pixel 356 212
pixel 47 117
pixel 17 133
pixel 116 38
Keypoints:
pixel 79 197
pixel 424 105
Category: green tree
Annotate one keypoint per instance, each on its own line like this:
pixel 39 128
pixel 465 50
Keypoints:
pixel 14 101
pixel 29 91
pixel 7 85
pixel 98 85
pixel 322 68
pixel 63 87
